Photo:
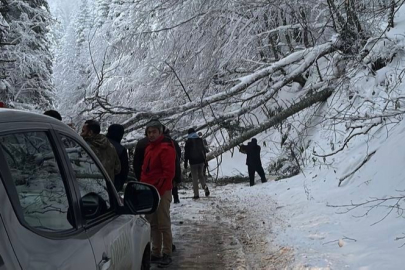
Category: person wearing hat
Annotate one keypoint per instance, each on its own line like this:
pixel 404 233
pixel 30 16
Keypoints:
pixel 253 161
pixel 195 154
pixel 115 134
pixel 54 114
pixel 158 169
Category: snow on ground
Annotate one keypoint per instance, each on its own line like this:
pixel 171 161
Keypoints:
pixel 316 223
pixel 298 214
pixel 219 232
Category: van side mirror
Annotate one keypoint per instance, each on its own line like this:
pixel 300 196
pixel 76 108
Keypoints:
pixel 140 198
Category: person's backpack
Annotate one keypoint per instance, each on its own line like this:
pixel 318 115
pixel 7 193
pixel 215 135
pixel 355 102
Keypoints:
pixel 196 150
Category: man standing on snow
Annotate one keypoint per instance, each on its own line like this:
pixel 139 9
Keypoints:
pixel 253 161
pixel 195 153
pixel 158 169
pixel 114 135
pixel 103 149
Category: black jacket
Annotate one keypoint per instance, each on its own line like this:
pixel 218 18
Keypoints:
pixel 122 177
pixel 139 157
pixel 177 176
pixel 194 152
pixel 252 151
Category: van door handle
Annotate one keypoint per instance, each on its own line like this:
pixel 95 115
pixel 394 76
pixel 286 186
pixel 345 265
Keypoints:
pixel 105 263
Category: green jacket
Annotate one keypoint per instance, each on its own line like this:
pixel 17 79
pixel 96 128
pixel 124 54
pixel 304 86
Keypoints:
pixel 106 153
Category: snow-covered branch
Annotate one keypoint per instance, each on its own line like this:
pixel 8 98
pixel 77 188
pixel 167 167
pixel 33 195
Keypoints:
pixel 299 106
pixel 307 57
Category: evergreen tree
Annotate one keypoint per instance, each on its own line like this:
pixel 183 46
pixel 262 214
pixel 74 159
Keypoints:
pixel 29 65
pixel 4 84
pixel 103 8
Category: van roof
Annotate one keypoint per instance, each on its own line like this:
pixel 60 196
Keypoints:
pixel 11 115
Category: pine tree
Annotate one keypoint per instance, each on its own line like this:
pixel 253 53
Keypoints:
pixel 4 84
pixel 82 24
pixel 29 65
pixel 103 8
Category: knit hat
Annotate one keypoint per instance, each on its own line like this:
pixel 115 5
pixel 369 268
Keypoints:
pixel 115 132
pixel 154 123
pixel 52 113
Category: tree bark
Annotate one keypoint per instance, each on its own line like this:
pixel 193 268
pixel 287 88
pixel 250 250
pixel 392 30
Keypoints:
pixel 391 15
pixel 301 105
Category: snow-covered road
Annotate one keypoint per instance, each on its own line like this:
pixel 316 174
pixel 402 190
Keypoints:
pixel 218 232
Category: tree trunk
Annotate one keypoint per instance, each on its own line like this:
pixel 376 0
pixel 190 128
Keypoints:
pixel 287 35
pixel 301 105
pixel 352 18
pixel 391 15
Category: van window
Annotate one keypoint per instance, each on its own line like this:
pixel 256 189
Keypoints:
pixel 89 177
pixel 37 179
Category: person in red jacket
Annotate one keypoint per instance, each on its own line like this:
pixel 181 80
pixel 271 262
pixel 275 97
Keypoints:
pixel 158 169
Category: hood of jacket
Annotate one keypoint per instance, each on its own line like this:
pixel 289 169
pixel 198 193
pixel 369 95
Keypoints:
pixel 115 132
pixel 193 136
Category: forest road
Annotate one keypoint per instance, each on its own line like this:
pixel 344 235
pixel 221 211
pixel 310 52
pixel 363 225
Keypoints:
pixel 217 232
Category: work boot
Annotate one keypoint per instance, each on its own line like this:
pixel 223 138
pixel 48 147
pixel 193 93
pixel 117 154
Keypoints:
pixel 166 261
pixel 207 191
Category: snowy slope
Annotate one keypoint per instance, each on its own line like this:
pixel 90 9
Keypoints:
pixel 319 219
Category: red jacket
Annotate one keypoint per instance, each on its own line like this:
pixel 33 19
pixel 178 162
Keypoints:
pixel 159 165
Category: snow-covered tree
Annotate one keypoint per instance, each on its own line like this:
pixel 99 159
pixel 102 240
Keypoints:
pixel 226 67
pixel 4 83
pixel 102 8
pixel 29 65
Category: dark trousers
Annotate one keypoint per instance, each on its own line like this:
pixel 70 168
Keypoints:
pixel 175 192
pixel 252 170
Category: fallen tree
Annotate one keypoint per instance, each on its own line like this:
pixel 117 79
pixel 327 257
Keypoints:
pixel 297 107
pixel 304 58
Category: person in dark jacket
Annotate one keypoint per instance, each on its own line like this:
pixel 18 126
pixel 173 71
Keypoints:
pixel 139 155
pixel 195 154
pixel 253 161
pixel 177 176
pixel 114 135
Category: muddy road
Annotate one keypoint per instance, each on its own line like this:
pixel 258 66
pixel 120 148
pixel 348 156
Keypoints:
pixel 219 232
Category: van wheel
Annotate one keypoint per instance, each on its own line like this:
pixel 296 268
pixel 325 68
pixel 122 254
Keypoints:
pixel 146 259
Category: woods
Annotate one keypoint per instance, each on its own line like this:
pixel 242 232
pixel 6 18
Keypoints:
pixel 25 57
pixel 222 67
